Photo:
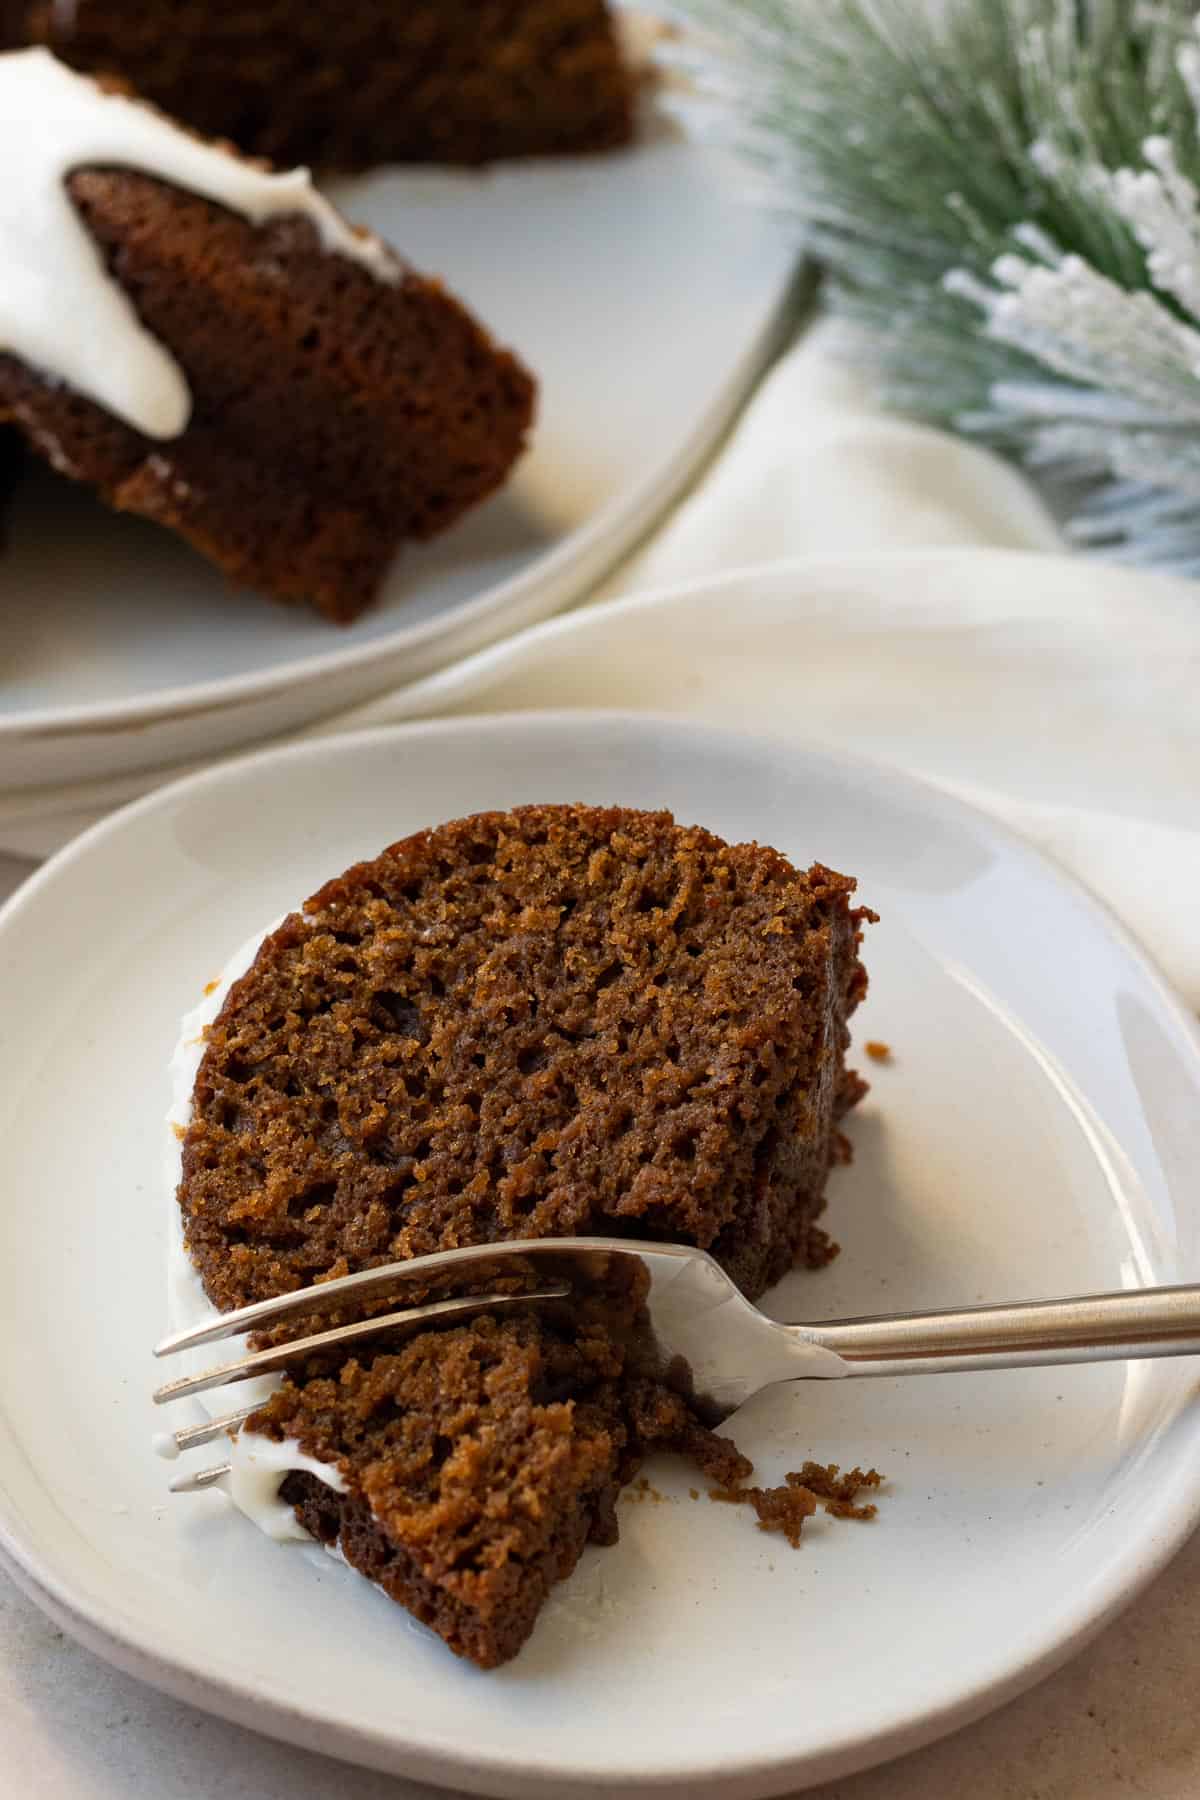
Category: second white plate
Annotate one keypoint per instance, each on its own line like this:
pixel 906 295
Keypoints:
pixel 643 291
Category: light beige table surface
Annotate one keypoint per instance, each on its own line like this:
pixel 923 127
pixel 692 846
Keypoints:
pixel 1120 1722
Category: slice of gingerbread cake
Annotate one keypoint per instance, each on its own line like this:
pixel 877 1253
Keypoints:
pixel 555 1021
pixel 209 344
pixel 349 83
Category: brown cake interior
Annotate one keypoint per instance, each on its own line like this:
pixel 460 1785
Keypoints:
pixel 333 415
pixel 365 81
pixel 557 1021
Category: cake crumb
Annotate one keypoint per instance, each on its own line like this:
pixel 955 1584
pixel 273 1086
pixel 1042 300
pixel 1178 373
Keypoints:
pixel 877 1050
pixel 839 1492
pixel 210 987
pixel 694 1493
pixel 783 1509
pixel 641 1490
pixel 786 1507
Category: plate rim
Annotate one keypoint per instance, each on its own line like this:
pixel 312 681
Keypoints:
pixel 1171 1516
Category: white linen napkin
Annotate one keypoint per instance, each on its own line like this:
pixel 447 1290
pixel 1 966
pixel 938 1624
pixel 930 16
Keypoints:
pixel 847 577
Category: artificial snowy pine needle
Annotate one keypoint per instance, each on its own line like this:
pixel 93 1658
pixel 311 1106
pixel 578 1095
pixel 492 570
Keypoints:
pixel 1007 196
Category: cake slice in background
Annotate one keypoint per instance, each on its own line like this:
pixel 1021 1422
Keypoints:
pixel 211 346
pixel 350 83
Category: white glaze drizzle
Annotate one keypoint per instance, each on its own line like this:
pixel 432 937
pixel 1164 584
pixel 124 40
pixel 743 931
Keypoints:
pixel 259 1467
pixel 60 311
pixel 259 1464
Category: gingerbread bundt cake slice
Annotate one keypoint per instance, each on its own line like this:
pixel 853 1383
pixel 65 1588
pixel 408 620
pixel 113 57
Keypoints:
pixel 350 83
pixel 559 1021
pixel 211 346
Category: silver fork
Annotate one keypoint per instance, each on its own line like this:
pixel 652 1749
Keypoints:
pixel 696 1312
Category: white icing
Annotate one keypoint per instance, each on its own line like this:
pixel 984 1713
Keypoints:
pixel 60 312
pixel 259 1464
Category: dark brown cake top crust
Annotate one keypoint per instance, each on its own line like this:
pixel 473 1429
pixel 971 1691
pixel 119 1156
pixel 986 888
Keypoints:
pixel 361 82
pixel 559 1020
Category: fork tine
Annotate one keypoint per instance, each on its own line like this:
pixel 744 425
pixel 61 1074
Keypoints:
pixel 203 1478
pixel 192 1436
pixel 359 1286
pixel 279 1356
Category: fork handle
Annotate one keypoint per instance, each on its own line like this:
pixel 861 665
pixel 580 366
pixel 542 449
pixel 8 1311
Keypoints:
pixel 1137 1322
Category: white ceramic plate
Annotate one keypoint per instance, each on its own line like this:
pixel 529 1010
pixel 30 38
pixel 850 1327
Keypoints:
pixel 1036 1132
pixel 646 295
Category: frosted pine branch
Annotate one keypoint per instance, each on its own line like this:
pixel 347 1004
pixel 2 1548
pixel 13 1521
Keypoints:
pixel 1007 196
pixel 1081 325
